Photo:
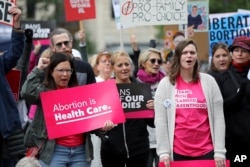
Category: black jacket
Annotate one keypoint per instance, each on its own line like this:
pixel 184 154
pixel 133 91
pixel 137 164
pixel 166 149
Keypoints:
pixel 236 103
pixel 84 72
pixel 129 138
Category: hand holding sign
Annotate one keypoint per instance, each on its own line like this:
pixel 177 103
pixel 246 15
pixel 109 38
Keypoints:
pixel 82 36
pixel 150 104
pixel 16 12
pixel 164 162
pixel 108 125
pixel 5 12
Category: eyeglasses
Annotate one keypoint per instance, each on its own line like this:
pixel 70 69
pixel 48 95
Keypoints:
pixel 62 71
pixel 59 45
pixel 153 61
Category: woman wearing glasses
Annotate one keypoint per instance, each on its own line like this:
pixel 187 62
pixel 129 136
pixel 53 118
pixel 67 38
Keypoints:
pixel 61 40
pixel 74 150
pixel 149 72
pixel 103 68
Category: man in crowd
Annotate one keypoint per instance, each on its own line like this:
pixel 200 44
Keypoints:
pixel 61 40
pixel 9 116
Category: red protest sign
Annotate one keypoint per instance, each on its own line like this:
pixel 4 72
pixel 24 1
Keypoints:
pixel 5 6
pixel 14 78
pixel 79 10
pixel 81 109
pixel 195 163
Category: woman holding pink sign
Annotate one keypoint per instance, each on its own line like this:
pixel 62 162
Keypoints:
pixel 69 151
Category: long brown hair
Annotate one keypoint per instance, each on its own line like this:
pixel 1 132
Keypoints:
pixel 175 68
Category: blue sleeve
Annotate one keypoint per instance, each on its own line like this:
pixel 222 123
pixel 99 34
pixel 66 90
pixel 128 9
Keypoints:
pixel 11 56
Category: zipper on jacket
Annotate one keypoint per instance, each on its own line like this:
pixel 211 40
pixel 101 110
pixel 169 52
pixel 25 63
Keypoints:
pixel 125 141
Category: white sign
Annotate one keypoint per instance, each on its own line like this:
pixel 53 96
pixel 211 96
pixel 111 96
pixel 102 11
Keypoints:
pixel 5 17
pixel 152 12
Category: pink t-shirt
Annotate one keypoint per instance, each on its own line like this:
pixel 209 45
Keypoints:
pixel 192 135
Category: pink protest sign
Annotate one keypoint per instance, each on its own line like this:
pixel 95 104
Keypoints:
pixel 81 109
pixel 195 163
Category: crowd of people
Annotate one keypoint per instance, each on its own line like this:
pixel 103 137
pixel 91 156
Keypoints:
pixel 198 115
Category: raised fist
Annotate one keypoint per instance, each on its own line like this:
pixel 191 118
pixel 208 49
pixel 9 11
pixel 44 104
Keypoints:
pixel 28 35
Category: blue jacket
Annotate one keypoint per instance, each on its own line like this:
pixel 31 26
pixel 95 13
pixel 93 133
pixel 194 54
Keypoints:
pixel 9 116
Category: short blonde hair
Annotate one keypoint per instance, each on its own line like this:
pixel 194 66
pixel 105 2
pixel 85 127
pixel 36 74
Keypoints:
pixel 145 56
pixel 118 54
